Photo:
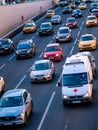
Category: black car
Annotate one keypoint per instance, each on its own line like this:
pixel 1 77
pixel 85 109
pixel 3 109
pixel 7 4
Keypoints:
pixel 67 9
pixel 6 46
pixel 76 13
pixel 25 48
pixel 46 28
pixel 93 6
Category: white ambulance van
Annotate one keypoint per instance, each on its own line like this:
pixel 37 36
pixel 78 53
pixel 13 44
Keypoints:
pixel 77 80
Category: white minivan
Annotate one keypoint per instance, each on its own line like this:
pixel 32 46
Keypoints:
pixel 77 80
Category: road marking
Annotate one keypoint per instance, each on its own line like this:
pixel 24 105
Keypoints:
pixel 71 50
pixel 41 55
pixel 59 80
pixel 2 66
pixel 45 113
pixel 11 58
pixel 50 42
pixel 81 26
pixel 20 81
pixel 66 126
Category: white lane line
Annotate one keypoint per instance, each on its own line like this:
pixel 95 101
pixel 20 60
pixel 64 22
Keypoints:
pixel 78 34
pixel 66 126
pixel 45 113
pixel 50 42
pixel 71 50
pixel 20 82
pixel 2 66
pixel 81 26
pixel 11 58
pixel 41 55
pixel 75 41
pixel 54 36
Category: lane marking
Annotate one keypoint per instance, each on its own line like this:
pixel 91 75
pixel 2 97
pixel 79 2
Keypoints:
pixel 20 82
pixel 2 66
pixel 41 55
pixel 46 111
pixel 71 50
pixel 66 126
pixel 11 58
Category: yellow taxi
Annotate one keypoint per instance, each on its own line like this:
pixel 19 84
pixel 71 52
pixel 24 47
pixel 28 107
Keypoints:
pixel 91 20
pixel 49 13
pixel 87 42
pixel 2 85
pixel 29 27
pixel 82 6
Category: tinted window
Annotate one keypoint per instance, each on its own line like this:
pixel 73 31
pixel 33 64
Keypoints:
pixel 41 66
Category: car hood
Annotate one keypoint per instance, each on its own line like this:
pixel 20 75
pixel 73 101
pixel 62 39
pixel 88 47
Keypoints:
pixel 51 53
pixel 4 46
pixel 87 42
pixel 10 111
pixel 22 50
pixel 45 28
pixel 40 72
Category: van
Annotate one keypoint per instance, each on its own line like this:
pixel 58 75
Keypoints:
pixel 77 80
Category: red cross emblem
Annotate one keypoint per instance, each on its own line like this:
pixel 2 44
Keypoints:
pixel 75 90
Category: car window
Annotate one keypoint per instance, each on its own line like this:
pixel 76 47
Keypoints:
pixel 61 31
pixel 52 48
pixel 41 66
pixel 86 38
pixel 23 46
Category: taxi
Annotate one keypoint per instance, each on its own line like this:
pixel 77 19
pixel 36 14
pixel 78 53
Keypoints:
pixel 91 21
pixel 82 6
pixel 29 27
pixel 49 13
pixel 87 42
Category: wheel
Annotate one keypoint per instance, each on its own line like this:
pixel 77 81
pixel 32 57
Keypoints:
pixel 25 119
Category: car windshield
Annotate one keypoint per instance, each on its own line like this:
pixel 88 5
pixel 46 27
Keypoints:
pixel 55 17
pixel 11 101
pixel 4 42
pixel 45 25
pixel 61 31
pixel 94 11
pixel 50 11
pixel 41 66
pixel 71 20
pixel 86 38
pixel 28 25
pixel 75 79
pixel 91 18
pixel 23 46
pixel 76 11
pixel 51 49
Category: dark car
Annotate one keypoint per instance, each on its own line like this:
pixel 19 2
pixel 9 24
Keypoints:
pixel 46 28
pixel 16 105
pixel 93 6
pixel 77 1
pixel 25 48
pixel 71 22
pixel 76 13
pixel 67 9
pixel 94 12
pixel 6 46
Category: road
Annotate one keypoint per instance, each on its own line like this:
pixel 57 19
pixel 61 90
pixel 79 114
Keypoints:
pixel 49 112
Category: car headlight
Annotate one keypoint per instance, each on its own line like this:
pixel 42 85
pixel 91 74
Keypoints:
pixel 28 51
pixel 17 52
pixel 45 56
pixel 32 75
pixel 65 97
pixel 23 116
pixel 47 74
pixel 6 48
pixel 86 95
pixel 48 29
pixel 67 36
pixel 57 54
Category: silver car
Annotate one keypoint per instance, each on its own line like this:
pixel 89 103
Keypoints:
pixel 56 19
pixel 64 34
pixel 42 70
pixel 15 107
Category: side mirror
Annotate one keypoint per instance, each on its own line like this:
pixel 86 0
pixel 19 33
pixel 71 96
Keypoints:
pixel 91 81
pixel 59 84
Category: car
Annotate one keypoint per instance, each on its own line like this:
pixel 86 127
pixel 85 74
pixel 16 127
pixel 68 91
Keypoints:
pixel 73 5
pixel 67 9
pixel 49 13
pixel 77 1
pixel 6 46
pixel 16 105
pixel 29 27
pixel 91 59
pixel 53 52
pixel 71 22
pixel 63 2
pixel 87 42
pixel 82 6
pixel 93 5
pixel 94 12
pixel 76 13
pixel 25 48
pixel 91 20
pixel 2 85
pixel 56 19
pixel 46 28
pixel 42 70
pixel 64 34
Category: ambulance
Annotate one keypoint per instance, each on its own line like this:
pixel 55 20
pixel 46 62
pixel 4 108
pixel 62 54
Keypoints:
pixel 77 80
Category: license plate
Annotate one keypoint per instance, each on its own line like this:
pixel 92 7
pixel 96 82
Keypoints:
pixel 76 101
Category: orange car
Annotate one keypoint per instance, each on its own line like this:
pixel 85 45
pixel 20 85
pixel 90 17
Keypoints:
pixel 91 21
pixel 50 13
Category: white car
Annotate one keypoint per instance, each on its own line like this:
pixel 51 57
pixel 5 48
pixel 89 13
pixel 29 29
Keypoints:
pixel 2 85
pixel 42 70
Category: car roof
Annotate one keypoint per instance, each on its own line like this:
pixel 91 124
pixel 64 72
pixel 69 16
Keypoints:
pixel 14 92
pixel 46 23
pixel 53 44
pixel 41 61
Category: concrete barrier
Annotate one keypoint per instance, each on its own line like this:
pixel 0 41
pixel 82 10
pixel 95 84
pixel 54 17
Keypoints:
pixel 14 16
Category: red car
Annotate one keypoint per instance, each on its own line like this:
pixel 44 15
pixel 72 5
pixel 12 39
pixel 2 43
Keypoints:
pixel 53 52
pixel 71 22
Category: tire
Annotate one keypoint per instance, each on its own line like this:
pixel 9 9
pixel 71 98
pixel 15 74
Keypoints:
pixel 26 120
